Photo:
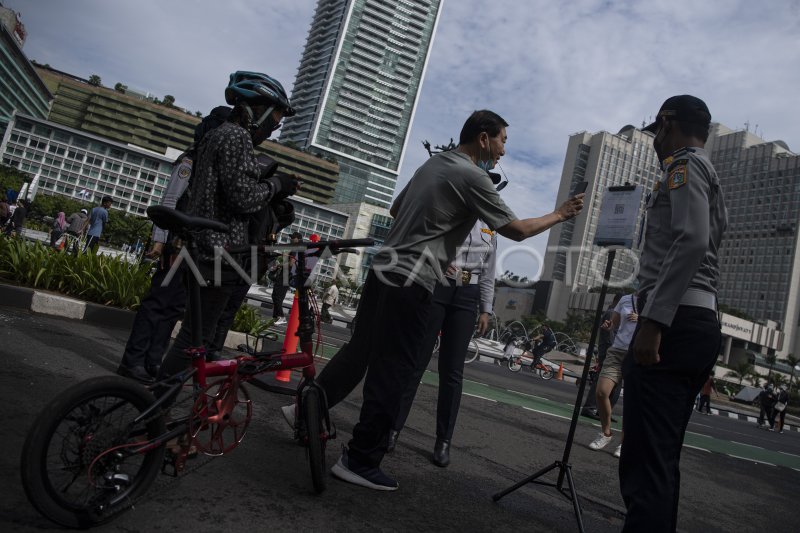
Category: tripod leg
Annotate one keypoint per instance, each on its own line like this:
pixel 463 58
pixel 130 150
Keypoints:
pixel 574 493
pixel 525 481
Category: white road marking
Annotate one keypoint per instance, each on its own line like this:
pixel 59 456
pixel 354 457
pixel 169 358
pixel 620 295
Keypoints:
pixel 750 460
pixel 529 395
pixel 481 397
pixel 696 448
pixel 749 445
pixel 546 413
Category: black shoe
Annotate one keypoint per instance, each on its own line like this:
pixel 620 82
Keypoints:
pixel 441 453
pixel 393 435
pixel 137 373
pixel 590 413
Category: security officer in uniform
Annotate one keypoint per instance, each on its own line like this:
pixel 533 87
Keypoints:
pixel 467 288
pixel 677 341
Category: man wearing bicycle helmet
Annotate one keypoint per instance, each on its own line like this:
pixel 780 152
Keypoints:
pixel 229 185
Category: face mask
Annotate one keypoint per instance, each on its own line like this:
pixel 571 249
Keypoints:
pixel 485 164
pixel 263 128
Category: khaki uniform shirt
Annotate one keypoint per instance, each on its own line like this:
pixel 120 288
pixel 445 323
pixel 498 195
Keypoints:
pixel 686 217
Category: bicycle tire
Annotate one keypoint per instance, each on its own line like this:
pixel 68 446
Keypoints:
pixel 545 372
pixel 470 356
pixel 71 438
pixel 513 365
pixel 436 345
pixel 315 439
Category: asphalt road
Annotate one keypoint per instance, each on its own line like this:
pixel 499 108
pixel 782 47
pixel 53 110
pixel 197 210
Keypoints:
pixel 510 426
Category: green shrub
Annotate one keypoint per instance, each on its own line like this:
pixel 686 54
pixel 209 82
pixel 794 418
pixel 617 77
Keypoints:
pixel 95 278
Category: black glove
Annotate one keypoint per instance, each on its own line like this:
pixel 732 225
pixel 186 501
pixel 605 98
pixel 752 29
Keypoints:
pixel 285 185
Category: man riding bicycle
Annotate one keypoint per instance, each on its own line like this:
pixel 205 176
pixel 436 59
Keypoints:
pixel 544 342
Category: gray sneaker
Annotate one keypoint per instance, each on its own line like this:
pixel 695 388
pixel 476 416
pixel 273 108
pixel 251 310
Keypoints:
pixel 290 414
pixel 349 470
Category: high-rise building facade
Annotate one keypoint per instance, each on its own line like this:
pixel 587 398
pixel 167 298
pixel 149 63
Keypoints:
pixel 760 256
pixel 357 88
pixel 21 88
pixel 602 159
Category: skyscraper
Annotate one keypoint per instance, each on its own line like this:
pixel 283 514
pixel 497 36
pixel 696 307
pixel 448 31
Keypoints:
pixel 357 88
pixel 572 263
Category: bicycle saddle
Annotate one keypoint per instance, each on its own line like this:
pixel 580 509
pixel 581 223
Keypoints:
pixel 173 220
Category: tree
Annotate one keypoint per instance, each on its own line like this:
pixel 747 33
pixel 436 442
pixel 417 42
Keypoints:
pixel 120 88
pixel 198 114
pixel 771 359
pixel 740 371
pixel 169 100
pixel 95 80
pixel 792 361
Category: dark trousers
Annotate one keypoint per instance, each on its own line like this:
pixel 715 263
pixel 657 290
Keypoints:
pixel 92 243
pixel 225 322
pixel 155 319
pixel 278 294
pixel 705 401
pixel 454 312
pixel 767 412
pixel 386 345
pixel 658 404
pixel 213 301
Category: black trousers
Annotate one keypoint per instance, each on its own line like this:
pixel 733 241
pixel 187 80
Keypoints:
pixel 278 294
pixel 705 401
pixel 453 312
pixel 658 404
pixel 213 302
pixel 386 345
pixel 155 319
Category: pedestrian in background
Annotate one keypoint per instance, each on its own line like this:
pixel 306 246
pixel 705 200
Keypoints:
pixel 17 221
pixel 282 272
pixel 705 395
pixel 58 229
pixel 623 322
pixel 466 294
pixel 4 211
pixel 766 402
pixel 782 402
pixel 329 299
pixel 605 340
pixel 97 222
pixel 677 341
pixel 77 223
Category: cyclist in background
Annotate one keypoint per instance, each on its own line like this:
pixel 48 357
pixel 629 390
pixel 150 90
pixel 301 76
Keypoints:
pixel 546 342
pixel 229 185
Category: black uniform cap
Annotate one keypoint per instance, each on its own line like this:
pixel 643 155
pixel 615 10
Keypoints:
pixel 684 108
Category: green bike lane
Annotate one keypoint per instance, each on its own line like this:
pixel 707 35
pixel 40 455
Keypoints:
pixel 548 407
pixel 561 410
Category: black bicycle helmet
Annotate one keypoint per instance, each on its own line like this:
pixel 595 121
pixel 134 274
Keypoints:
pixel 256 88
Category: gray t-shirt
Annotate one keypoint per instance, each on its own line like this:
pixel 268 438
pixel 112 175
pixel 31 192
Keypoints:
pixel 435 213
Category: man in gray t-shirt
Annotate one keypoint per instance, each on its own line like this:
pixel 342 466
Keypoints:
pixel 435 213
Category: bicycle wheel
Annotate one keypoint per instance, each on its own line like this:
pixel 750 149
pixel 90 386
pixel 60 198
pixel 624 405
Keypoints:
pixel 473 352
pixel 315 437
pixel 436 345
pixel 515 364
pixel 68 471
pixel 545 371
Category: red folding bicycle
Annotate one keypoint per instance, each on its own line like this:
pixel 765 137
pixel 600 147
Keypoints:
pixel 100 444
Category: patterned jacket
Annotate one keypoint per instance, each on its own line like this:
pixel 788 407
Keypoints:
pixel 225 187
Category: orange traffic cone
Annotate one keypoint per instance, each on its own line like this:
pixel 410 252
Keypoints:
pixel 560 376
pixel 291 340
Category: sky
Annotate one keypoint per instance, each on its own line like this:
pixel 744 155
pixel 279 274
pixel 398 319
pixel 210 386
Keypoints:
pixel 550 68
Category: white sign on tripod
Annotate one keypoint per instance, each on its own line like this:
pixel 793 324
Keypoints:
pixel 619 216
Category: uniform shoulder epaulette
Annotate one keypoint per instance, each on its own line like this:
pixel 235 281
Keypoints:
pixel 676 162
